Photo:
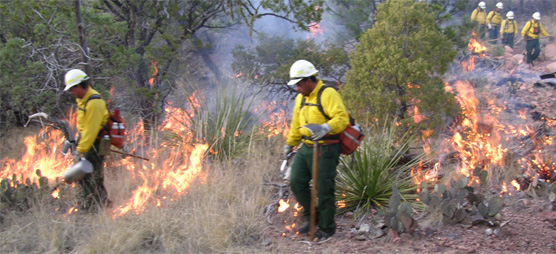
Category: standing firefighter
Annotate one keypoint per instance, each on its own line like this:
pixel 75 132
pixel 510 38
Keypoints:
pixel 92 115
pixel 306 111
pixel 494 20
pixel 508 30
pixel 531 32
pixel 479 16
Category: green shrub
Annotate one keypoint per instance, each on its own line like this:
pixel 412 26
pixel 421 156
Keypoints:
pixel 366 178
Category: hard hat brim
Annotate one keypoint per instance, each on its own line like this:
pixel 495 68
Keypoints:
pixel 294 81
pixel 69 86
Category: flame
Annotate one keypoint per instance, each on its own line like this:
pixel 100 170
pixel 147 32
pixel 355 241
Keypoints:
pixel 475 46
pixel 55 194
pixel 515 184
pixel 169 173
pixel 283 206
pixel 155 72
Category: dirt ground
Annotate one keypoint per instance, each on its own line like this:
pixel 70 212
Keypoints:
pixel 530 228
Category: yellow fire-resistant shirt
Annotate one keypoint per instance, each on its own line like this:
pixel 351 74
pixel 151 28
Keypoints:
pixel 479 15
pixel 90 120
pixel 333 106
pixel 508 27
pixel 529 29
pixel 494 18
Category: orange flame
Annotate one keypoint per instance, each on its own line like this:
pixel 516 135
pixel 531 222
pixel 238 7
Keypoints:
pixel 155 72
pixel 283 206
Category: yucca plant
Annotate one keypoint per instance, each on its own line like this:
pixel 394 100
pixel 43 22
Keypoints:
pixel 227 120
pixel 365 179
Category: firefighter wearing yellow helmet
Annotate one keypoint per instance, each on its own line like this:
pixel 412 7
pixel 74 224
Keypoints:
pixel 531 31
pixel 494 20
pixel 508 29
pixel 325 129
pixel 478 16
pixel 92 115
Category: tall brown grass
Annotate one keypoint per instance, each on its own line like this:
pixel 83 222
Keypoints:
pixel 221 212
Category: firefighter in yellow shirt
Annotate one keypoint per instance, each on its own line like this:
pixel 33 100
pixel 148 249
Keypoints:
pixel 494 20
pixel 479 16
pixel 327 125
pixel 531 31
pixel 92 115
pixel 508 30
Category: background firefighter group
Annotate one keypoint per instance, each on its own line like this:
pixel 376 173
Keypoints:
pixel 507 28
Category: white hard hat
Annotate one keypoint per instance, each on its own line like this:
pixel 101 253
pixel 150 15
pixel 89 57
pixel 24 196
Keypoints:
pixel 510 15
pixel 500 5
pixel 537 16
pixel 301 69
pixel 482 5
pixel 74 77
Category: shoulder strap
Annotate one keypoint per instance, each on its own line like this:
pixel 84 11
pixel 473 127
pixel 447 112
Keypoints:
pixel 92 97
pixel 319 105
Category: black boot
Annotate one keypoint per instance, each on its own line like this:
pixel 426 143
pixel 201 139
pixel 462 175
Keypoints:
pixel 304 229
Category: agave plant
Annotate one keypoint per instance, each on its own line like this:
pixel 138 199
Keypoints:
pixel 366 178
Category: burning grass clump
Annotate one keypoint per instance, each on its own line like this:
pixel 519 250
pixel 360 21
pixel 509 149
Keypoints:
pixel 226 121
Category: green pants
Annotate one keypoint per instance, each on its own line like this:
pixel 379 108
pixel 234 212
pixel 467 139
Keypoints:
pixel 508 39
pixel 480 28
pixel 533 50
pixel 93 192
pixel 301 175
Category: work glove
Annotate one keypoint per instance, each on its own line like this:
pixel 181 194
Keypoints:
pixel 489 26
pixel 76 156
pixel 318 133
pixel 287 150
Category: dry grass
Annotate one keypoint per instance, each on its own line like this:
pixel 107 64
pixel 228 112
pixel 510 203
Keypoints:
pixel 221 212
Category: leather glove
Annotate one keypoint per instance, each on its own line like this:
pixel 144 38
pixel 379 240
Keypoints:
pixel 287 150
pixel 489 26
pixel 318 134
pixel 76 156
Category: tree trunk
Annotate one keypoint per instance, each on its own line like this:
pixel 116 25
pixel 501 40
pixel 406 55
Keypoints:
pixel 82 41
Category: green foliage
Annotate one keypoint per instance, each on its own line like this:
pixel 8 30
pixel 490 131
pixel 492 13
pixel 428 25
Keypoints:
pixel 271 59
pixel 38 45
pixel 397 66
pixel 366 179
pixel 21 196
pixel 398 216
pixel 355 16
pixel 461 203
pixel 496 50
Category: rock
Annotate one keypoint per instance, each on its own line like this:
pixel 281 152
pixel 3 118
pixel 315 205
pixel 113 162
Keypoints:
pixel 363 229
pixel 551 68
pixel 549 52
pixel 488 231
pixel 349 215
pixel 518 58
pixel 361 237
pixel 508 49
pixel 375 233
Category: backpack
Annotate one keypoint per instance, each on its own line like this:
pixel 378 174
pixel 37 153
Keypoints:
pixel 351 136
pixel 115 127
